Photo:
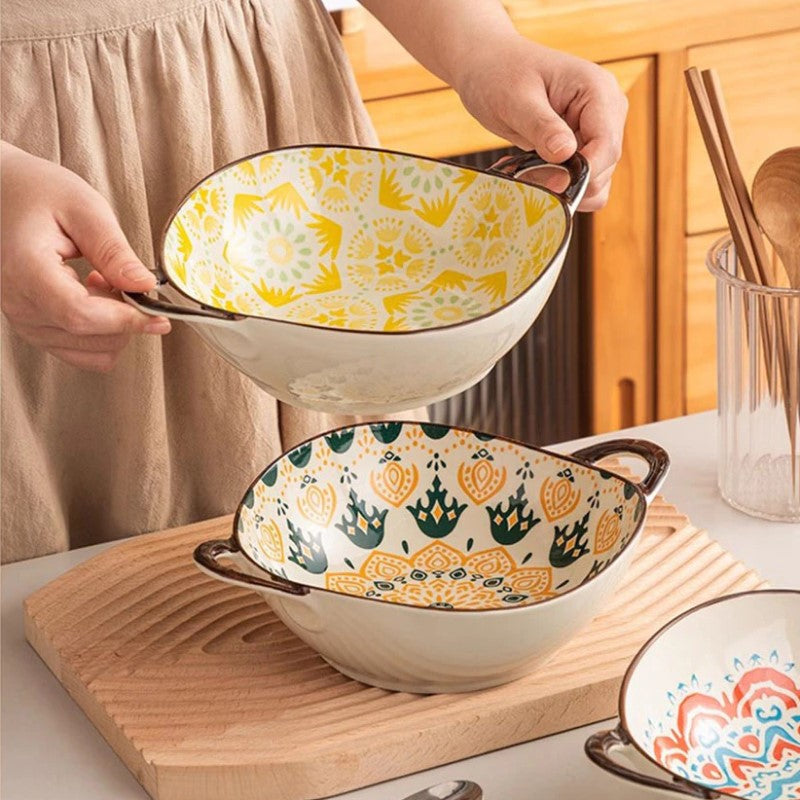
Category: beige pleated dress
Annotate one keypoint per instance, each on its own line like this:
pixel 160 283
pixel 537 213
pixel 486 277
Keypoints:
pixel 142 98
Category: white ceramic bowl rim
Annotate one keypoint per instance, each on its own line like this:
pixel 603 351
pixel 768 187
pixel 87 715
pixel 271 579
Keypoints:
pixel 649 643
pixel 221 315
pixel 306 589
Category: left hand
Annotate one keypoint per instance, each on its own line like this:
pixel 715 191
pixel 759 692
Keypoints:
pixel 544 100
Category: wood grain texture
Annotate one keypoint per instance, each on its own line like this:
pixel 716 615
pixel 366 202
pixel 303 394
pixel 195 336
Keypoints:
pixel 432 124
pixel 701 325
pixel 759 77
pixel 621 251
pixel 671 105
pixel 205 695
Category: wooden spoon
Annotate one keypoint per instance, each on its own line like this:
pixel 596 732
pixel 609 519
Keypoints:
pixel 776 198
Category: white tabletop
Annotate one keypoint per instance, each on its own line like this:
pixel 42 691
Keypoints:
pixel 50 750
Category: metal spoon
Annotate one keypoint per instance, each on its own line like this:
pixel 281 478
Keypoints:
pixel 776 200
pixel 452 790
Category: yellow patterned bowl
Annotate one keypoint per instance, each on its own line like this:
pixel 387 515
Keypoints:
pixel 428 558
pixel 354 280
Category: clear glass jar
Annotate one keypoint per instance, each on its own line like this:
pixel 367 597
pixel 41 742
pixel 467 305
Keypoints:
pixel 758 384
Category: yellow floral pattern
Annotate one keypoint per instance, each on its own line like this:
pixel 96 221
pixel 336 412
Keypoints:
pixel 389 242
pixel 425 515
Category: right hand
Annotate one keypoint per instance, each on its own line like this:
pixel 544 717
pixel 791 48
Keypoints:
pixel 51 215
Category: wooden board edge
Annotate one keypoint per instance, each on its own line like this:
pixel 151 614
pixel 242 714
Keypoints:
pixel 91 707
pixel 347 770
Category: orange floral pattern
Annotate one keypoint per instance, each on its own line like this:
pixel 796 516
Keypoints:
pixel 559 497
pixel 443 576
pixel 426 515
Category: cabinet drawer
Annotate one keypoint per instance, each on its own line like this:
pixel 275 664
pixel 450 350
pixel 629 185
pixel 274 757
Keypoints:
pixel 701 325
pixel 761 81
pixel 431 124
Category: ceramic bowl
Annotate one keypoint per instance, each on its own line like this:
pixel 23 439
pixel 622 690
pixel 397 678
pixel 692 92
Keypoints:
pixel 428 558
pixel 714 699
pixel 363 281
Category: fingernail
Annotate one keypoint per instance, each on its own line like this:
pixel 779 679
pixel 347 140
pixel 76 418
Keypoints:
pixel 158 326
pixel 134 272
pixel 558 142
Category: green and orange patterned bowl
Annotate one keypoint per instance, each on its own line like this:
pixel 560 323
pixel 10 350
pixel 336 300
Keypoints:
pixel 429 558
pixel 364 281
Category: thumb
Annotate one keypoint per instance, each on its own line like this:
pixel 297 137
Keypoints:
pixel 94 229
pixel 538 122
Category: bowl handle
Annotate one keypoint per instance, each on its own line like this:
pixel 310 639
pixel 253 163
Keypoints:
pixel 576 165
pixel 207 556
pixel 163 308
pixel 599 748
pixel 452 790
pixel 656 457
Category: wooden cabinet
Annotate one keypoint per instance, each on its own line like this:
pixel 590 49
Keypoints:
pixel 761 80
pixel 701 325
pixel 622 257
pixel 431 124
pixel 652 303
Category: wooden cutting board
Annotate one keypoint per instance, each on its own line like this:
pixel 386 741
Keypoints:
pixel 205 695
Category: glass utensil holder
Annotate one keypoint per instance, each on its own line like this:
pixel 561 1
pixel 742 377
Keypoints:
pixel 758 374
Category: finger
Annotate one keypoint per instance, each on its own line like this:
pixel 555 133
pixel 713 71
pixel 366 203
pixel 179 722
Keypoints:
pixel 535 121
pixel 62 301
pixel 94 280
pixel 599 182
pixel 46 336
pixel 98 286
pixel 94 229
pixel 96 362
pixel 601 129
pixel 597 201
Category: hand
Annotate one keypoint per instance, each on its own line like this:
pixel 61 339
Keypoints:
pixel 548 101
pixel 51 215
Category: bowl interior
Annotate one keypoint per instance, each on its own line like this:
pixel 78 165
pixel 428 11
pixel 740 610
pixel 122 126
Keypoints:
pixel 361 239
pixel 715 698
pixel 428 515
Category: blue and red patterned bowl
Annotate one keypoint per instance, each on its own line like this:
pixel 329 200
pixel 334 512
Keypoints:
pixel 714 699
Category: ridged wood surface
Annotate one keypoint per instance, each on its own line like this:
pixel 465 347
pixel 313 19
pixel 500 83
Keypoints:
pixel 205 695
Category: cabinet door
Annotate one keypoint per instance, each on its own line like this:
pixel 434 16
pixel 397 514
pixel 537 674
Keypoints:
pixel 432 124
pixel 761 81
pixel 701 325
pixel 622 258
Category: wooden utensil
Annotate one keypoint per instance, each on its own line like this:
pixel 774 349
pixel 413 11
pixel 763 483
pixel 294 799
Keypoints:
pixel 709 107
pixel 711 139
pixel 776 197
pixel 716 101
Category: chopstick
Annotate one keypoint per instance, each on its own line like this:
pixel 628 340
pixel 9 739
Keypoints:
pixel 709 107
pixel 711 138
pixel 717 103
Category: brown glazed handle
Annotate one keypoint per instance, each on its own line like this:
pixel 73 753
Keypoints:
pixel 452 790
pixel 599 747
pixel 207 556
pixel 656 457
pixel 163 308
pixel 576 165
